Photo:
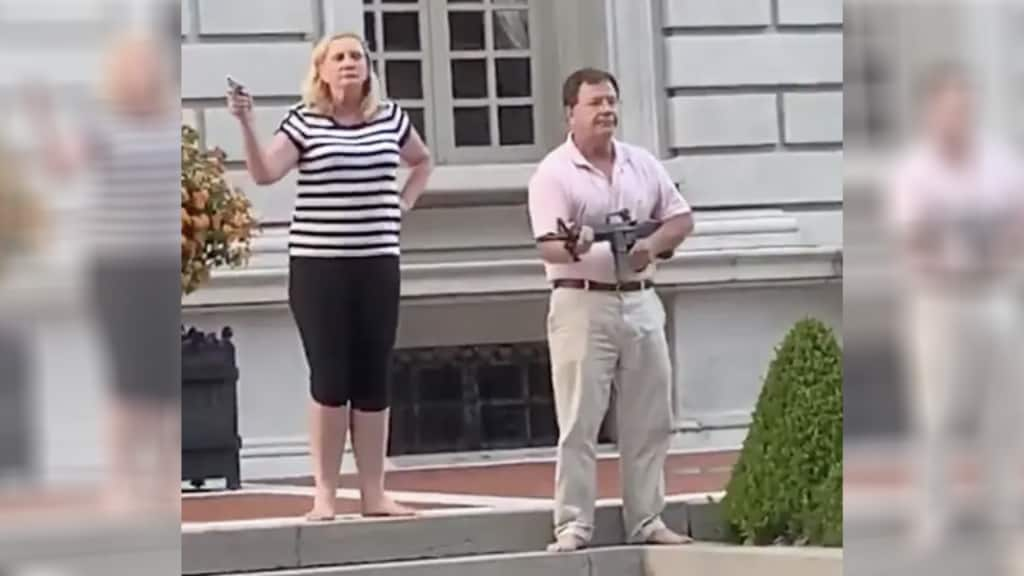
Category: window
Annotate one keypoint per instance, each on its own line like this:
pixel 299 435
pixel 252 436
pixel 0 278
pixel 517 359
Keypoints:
pixel 395 32
pixel 466 70
pixel 870 72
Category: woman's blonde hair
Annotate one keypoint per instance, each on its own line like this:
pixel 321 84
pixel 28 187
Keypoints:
pixel 133 59
pixel 316 93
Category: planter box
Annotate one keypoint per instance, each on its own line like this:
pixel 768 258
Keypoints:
pixel 210 442
pixel 16 458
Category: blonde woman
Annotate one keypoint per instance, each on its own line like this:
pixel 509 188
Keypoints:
pixel 343 289
pixel 129 147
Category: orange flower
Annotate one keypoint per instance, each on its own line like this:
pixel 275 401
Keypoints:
pixel 209 204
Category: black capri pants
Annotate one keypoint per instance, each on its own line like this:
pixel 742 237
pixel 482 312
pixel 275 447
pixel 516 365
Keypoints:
pixel 346 310
pixel 138 302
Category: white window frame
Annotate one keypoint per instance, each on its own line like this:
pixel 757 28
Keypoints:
pixel 438 102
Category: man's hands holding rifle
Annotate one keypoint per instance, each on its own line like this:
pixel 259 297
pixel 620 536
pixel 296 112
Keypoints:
pixel 576 238
pixel 630 243
pixel 641 255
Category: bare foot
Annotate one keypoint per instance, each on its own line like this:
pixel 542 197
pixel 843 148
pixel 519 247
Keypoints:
pixel 322 511
pixel 119 503
pixel 385 506
pixel 567 542
pixel 666 537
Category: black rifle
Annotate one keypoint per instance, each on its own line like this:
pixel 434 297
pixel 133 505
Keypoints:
pixel 622 232
pixel 619 229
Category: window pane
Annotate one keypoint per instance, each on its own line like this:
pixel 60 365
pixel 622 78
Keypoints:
pixel 369 31
pixel 511 30
pixel 515 125
pixel 416 116
pixel 469 78
pixel 401 31
pixel 466 30
pixel 472 127
pixel 513 76
pixel 404 79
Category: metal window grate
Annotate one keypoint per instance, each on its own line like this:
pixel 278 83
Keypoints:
pixel 470 398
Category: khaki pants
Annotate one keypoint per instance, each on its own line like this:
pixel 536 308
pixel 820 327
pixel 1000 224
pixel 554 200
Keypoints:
pixel 963 359
pixel 599 340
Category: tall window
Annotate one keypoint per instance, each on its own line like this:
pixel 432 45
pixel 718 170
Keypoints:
pixel 870 74
pixel 465 70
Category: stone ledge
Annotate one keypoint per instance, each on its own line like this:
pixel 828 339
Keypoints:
pixel 74 539
pixel 487 277
pixel 722 560
pixel 613 561
pixel 444 233
pixel 294 544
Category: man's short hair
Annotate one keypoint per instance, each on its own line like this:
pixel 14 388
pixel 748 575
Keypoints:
pixel 571 87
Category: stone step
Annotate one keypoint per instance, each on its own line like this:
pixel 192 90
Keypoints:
pixel 294 544
pixel 714 559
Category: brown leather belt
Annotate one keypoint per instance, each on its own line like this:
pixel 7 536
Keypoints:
pixel 603 286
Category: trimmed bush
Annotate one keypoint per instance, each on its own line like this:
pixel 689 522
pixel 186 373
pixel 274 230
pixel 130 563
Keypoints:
pixel 787 485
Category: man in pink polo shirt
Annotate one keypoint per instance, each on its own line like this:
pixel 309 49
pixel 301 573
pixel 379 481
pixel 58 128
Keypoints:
pixel 603 330
pixel 955 207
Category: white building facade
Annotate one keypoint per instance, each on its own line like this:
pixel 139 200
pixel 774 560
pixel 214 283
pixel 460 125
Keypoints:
pixel 742 100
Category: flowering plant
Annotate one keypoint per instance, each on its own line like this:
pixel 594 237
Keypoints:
pixel 20 212
pixel 217 220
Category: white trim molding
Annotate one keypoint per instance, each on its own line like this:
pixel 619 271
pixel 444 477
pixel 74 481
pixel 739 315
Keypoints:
pixel 486 277
pixel 488 252
pixel 635 58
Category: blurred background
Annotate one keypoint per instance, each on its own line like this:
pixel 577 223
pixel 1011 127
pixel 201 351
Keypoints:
pixel 933 127
pixel 88 180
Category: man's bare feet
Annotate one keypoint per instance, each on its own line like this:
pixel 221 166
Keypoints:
pixel 665 537
pixel 567 542
pixel 385 506
pixel 322 511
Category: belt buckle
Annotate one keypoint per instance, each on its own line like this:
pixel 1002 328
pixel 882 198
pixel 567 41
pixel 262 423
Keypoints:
pixel 586 285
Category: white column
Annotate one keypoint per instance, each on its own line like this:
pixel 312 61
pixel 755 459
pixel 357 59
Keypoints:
pixel 988 50
pixel 635 58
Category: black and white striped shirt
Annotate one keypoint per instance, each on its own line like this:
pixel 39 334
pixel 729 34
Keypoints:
pixel 348 195
pixel 137 192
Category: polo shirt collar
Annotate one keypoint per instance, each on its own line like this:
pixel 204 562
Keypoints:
pixel 579 160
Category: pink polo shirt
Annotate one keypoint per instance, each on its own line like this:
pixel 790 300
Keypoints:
pixel 568 186
pixel 971 206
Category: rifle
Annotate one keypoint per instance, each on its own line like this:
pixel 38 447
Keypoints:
pixel 619 229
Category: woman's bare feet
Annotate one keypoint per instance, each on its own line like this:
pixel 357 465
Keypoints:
pixel 322 511
pixel 384 505
pixel 117 502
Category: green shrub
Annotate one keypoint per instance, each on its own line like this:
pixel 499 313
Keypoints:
pixel 787 485
pixel 824 519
